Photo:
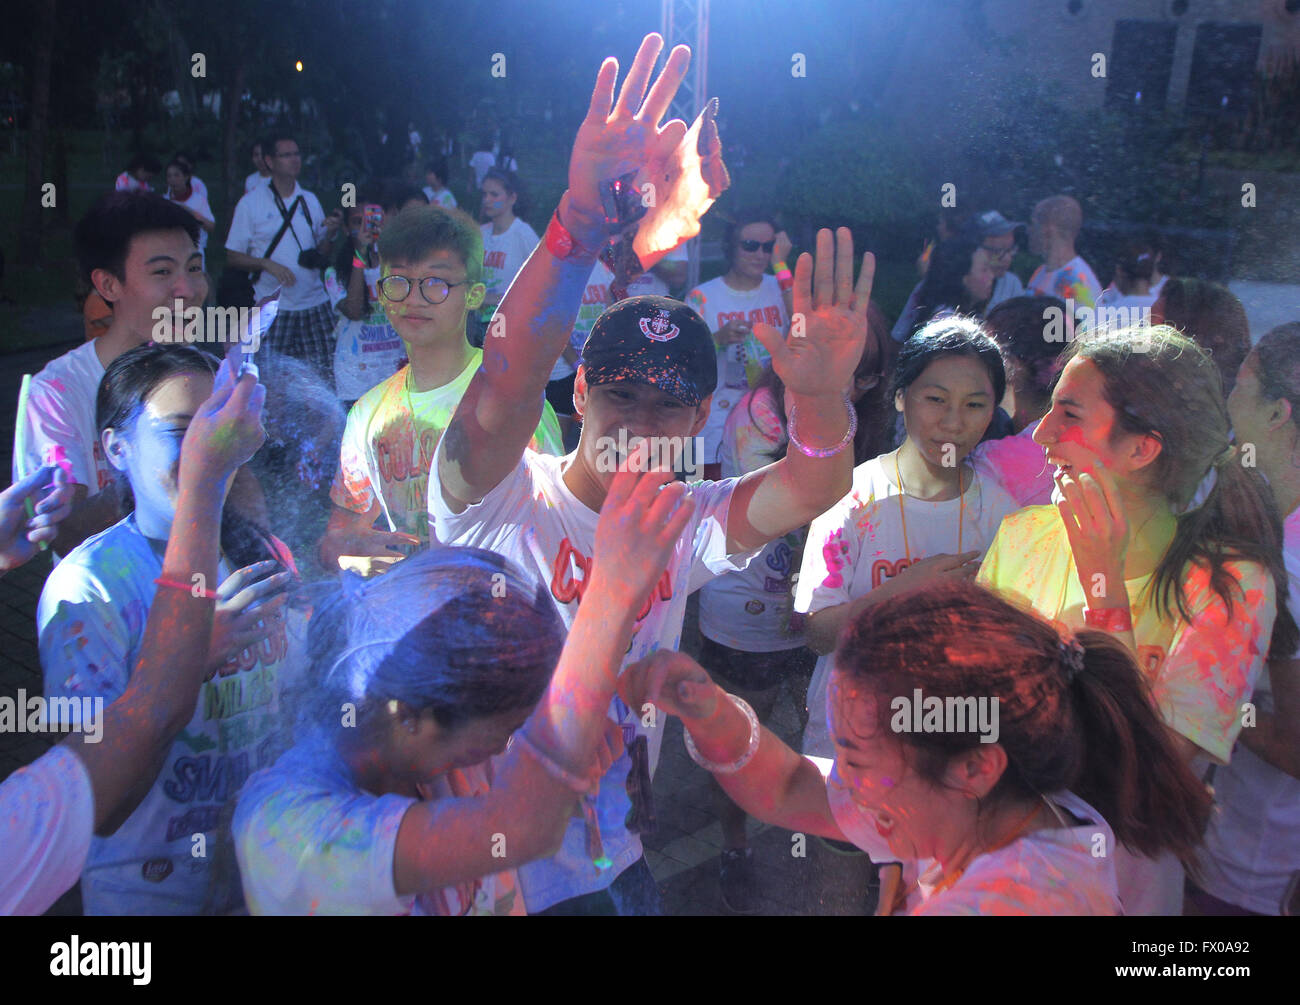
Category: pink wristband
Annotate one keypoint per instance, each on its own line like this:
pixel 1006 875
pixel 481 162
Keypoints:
pixel 1109 619
pixel 193 591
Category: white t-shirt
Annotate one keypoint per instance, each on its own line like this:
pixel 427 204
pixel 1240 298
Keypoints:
pixel 648 284
pixel 198 201
pixel 504 254
pixel 254 226
pixel 859 543
pixel 1074 281
pixel 443 198
pixel 739 366
pixel 310 840
pixel 1008 285
pixel 1115 308
pixel 196 183
pixel 367 351
pixel 753 610
pixel 91 622
pixel 481 162
pixel 1056 871
pixel 61 411
pixel 255 179
pixel 1252 846
pixel 1019 465
pixel 533 519
pixel 47 818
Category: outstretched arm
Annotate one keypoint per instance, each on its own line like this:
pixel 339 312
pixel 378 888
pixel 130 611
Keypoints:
pixel 450 841
pixel 777 784
pixel 500 408
pixel 827 332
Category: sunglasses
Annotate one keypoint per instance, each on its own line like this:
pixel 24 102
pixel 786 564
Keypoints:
pixel 434 290
pixel 767 246
pixel 999 252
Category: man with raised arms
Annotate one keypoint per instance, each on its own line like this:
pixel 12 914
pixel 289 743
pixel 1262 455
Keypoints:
pixel 642 374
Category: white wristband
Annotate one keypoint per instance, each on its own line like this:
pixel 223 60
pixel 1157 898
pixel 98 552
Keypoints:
pixel 729 769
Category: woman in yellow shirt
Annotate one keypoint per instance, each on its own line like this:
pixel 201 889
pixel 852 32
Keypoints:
pixel 1159 535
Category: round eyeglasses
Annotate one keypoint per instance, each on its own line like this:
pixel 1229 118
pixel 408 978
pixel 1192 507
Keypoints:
pixel 434 290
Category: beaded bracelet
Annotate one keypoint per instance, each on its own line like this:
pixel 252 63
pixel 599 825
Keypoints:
pixel 822 452
pixel 729 769
pixel 582 785
pixel 1109 619
pixel 192 590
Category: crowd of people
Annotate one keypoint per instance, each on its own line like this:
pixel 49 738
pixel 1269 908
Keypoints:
pixel 387 617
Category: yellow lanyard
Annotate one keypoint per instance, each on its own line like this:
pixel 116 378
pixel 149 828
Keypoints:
pixel 902 514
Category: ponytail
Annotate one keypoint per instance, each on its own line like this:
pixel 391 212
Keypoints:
pixel 1238 521
pixel 1132 772
pixel 1074 715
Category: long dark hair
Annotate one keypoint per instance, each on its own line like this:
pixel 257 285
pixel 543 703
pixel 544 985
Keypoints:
pixel 875 434
pixel 1212 317
pixel 126 386
pixel 1017 326
pixel 1162 384
pixel 513 186
pixel 1095 732
pixel 459 631
pixel 952 335
pixel 942 285
pixel 1278 372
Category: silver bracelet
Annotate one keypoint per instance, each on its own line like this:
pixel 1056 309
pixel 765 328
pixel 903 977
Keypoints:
pixel 729 769
pixel 823 452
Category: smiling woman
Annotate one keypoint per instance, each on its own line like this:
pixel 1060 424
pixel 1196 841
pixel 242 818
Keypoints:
pixel 980 825
pixel 92 618
pixel 918 513
pixel 1158 535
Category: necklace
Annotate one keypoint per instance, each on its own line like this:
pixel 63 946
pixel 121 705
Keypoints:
pixel 902 514
pixel 1017 832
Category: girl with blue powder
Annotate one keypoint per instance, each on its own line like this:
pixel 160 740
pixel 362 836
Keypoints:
pixel 427 769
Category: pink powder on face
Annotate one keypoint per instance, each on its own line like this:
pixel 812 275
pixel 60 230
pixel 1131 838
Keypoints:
pixel 1072 434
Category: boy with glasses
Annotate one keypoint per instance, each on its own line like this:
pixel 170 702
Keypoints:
pixel 432 277
pixel 997 236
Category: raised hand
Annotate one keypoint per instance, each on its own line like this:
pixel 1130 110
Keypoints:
pixel 21 535
pixel 829 325
pixel 227 429
pixel 781 250
pixel 624 135
pixel 641 524
pixel 250 606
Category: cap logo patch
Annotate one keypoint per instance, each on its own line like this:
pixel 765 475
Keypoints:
pixel 659 327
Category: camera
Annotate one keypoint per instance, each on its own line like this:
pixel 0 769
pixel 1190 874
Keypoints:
pixel 310 258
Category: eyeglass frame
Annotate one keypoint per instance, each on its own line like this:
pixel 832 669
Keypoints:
pixel 766 246
pixel 999 252
pixel 420 284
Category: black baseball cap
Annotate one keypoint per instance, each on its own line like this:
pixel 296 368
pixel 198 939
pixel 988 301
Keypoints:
pixel 990 223
pixel 656 341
